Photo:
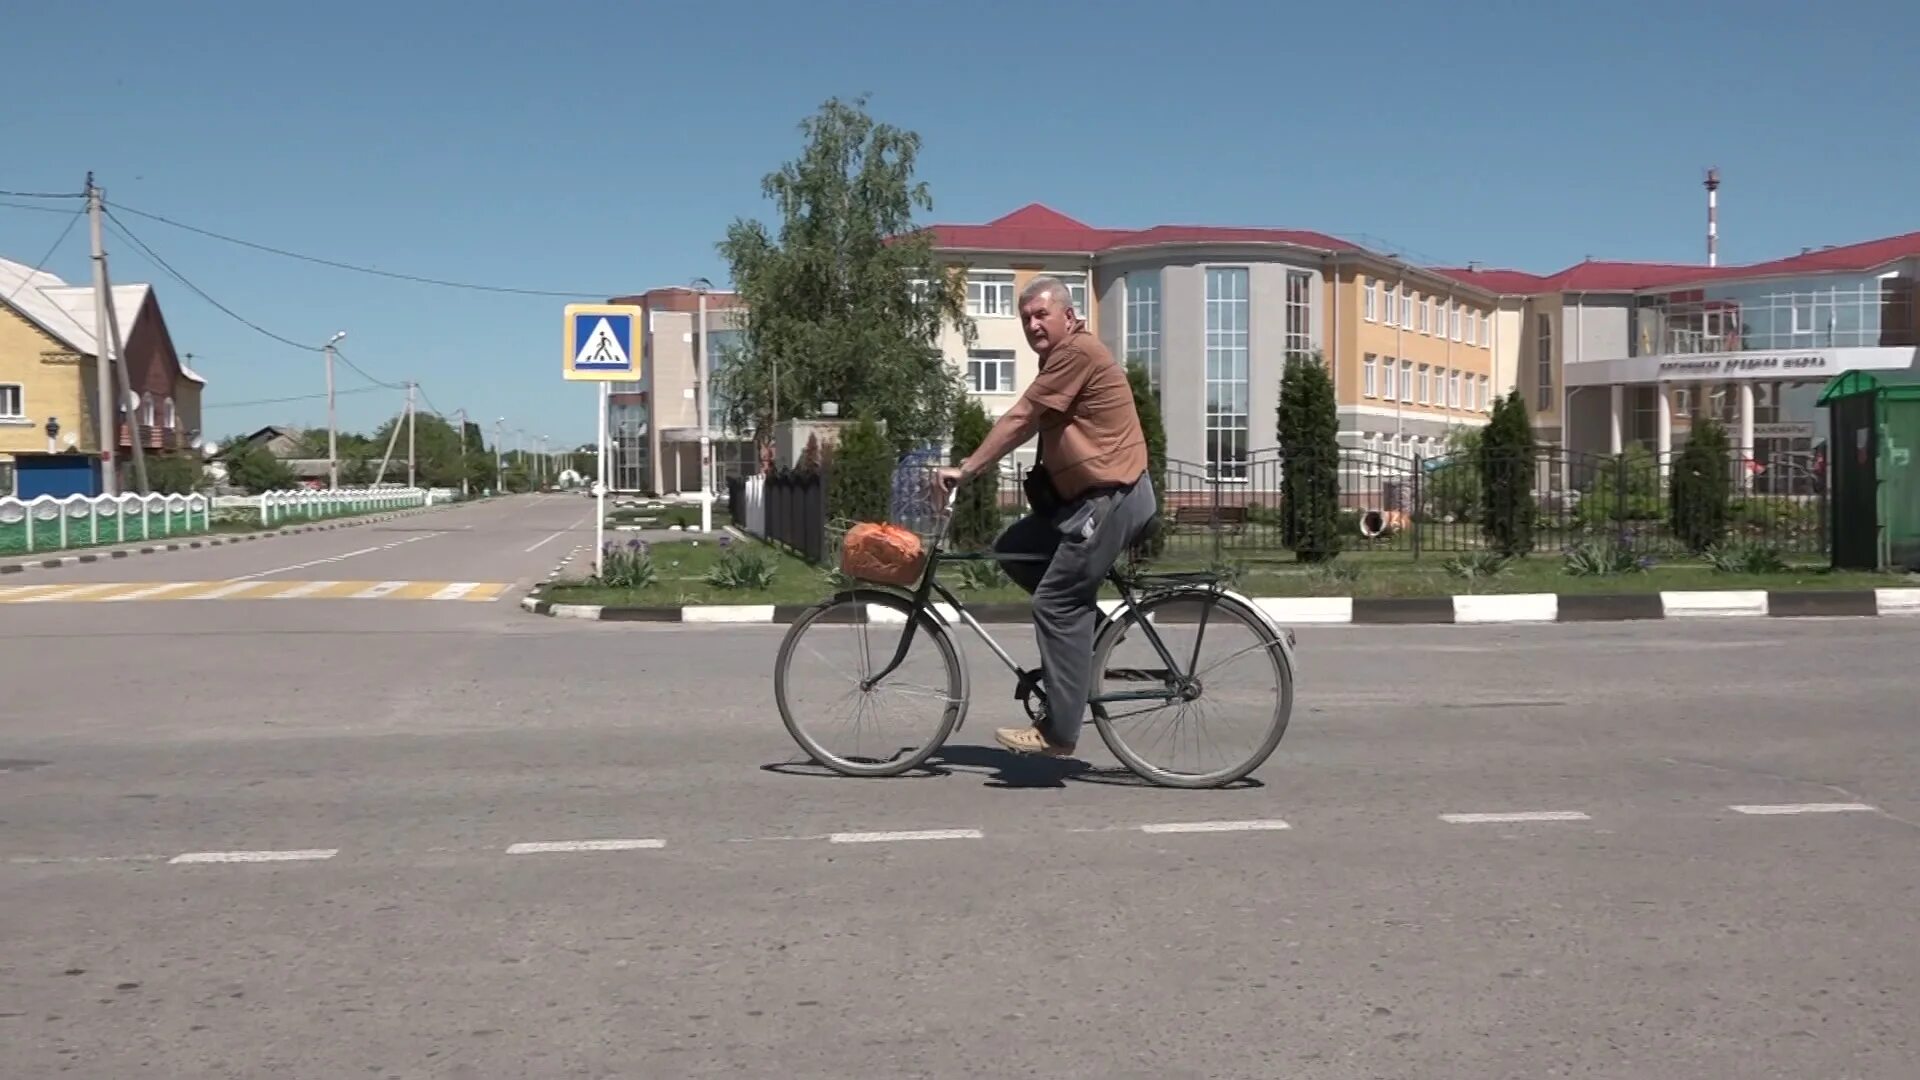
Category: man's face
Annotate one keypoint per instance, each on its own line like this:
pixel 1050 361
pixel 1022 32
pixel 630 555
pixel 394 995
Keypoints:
pixel 1044 318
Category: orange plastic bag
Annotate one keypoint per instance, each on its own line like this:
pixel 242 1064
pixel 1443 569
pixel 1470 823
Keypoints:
pixel 887 554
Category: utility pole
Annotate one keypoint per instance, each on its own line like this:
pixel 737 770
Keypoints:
pixel 111 340
pixel 333 426
pixel 499 456
pixel 462 414
pixel 410 462
pixel 109 433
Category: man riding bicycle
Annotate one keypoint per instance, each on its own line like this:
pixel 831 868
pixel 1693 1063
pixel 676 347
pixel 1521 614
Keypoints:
pixel 1089 493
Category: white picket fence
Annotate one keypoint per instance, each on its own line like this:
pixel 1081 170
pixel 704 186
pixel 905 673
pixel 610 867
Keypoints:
pixel 48 523
pixel 306 504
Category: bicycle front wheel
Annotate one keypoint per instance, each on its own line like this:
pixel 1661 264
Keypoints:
pixel 832 649
pixel 1233 717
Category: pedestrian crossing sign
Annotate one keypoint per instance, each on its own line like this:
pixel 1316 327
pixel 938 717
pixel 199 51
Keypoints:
pixel 601 344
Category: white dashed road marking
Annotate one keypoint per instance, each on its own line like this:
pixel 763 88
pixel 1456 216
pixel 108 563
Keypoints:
pixel 1529 815
pixel 254 856
pixel 1802 808
pixel 1215 826
pixel 922 834
pixel 544 846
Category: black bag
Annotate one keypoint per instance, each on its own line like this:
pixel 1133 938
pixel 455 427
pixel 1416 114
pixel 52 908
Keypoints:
pixel 1042 499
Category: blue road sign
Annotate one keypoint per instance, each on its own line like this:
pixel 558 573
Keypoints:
pixel 601 343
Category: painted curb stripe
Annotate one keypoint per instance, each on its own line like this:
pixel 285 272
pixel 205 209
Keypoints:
pixel 1484 609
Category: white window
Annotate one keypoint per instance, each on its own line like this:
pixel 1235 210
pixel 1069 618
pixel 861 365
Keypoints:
pixel 1473 325
pixel 1486 402
pixel 1486 331
pixel 1077 289
pixel 1453 389
pixel 13 401
pixel 1406 382
pixel 1369 376
pixel 1408 302
pixel 146 410
pixel 990 371
pixel 1373 300
pixel 1453 320
pixel 1387 381
pixel 1426 309
pixel 990 294
pixel 1299 313
pixel 1543 363
pixel 169 417
pixel 1426 373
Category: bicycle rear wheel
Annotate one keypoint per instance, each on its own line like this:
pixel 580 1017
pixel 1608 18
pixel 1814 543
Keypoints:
pixel 890 728
pixel 1244 674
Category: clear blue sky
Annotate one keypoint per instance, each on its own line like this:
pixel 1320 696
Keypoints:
pixel 604 147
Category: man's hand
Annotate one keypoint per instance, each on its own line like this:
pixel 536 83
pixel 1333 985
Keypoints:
pixel 951 477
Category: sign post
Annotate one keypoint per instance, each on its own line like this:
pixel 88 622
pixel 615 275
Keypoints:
pixel 601 347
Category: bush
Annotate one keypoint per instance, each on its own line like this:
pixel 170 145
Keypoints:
pixel 1309 438
pixel 1453 488
pixel 629 566
pixel 174 474
pixel 740 568
pixel 1702 490
pixel 1626 487
pixel 976 512
pixel 1506 478
pixel 1148 408
pixel 860 479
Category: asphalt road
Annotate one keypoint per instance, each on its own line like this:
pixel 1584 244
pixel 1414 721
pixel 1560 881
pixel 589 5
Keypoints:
pixel 391 759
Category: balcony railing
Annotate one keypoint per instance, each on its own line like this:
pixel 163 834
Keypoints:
pixel 1864 317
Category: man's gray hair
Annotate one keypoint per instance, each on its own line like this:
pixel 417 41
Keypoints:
pixel 1048 283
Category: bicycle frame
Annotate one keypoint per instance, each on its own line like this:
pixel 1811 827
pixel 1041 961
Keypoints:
pixel 1177 683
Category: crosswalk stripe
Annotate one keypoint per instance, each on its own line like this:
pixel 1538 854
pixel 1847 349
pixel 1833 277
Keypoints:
pixel 66 594
pixel 222 592
pixel 142 591
pixel 151 590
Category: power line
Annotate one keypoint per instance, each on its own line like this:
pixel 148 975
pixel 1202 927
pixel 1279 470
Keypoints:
pixel 71 222
pixel 37 209
pixel 44 194
pixel 121 228
pixel 342 357
pixel 284 400
pixel 418 279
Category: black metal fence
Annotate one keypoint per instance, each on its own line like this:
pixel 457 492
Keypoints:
pixel 1414 505
pixel 792 510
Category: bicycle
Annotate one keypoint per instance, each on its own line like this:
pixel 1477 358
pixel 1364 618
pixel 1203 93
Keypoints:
pixel 1158 600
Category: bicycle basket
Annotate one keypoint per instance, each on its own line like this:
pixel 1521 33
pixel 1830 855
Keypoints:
pixel 882 553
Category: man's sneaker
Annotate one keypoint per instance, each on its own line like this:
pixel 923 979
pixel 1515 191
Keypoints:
pixel 1028 740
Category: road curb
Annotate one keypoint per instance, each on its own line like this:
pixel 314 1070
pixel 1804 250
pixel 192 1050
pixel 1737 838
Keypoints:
pixel 1480 609
pixel 213 541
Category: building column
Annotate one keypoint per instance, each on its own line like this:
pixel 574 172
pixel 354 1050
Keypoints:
pixel 1615 394
pixel 1744 459
pixel 1663 429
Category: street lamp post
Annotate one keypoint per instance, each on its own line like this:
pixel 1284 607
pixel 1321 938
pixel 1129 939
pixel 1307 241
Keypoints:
pixel 333 426
pixel 702 286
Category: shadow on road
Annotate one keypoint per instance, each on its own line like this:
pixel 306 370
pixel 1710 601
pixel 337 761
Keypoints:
pixel 1004 769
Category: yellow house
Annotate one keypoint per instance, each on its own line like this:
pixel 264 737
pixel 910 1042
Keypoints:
pixel 1213 313
pixel 49 387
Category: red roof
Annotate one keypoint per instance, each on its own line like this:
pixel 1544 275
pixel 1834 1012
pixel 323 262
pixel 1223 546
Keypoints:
pixel 1599 276
pixel 1039 228
pixel 1043 230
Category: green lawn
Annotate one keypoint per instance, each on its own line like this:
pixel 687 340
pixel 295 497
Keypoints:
pixel 682 566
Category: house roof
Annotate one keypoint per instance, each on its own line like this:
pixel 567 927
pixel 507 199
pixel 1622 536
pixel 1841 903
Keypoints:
pixel 1604 276
pixel 1043 230
pixel 65 311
